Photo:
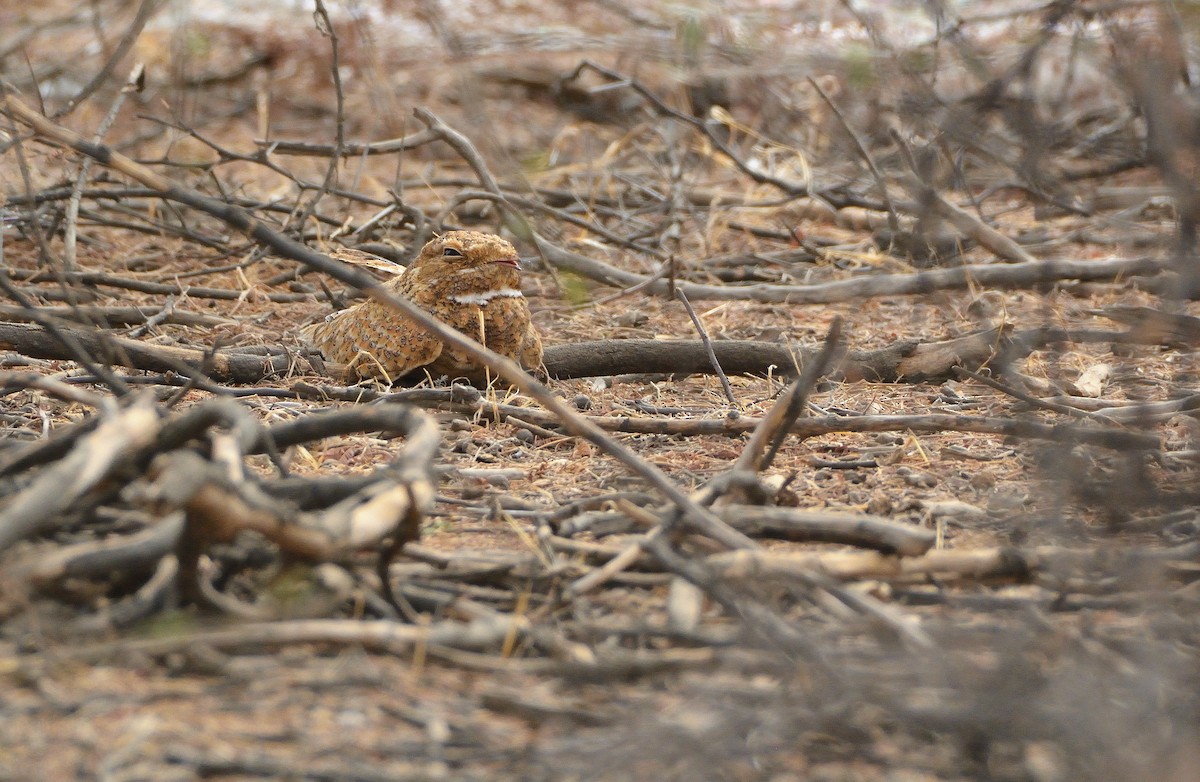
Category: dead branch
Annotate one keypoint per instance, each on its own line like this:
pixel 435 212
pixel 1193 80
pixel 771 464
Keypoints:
pixel 772 430
pixel 111 316
pixel 10 381
pixel 929 200
pixel 1045 564
pixel 1000 276
pixel 132 84
pixel 74 349
pixel 708 349
pixel 908 361
pixel 849 529
pixel 349 149
pixel 1084 434
pixel 702 127
pixel 211 503
pixel 221 366
pixel 99 454
pixel 798 526
pixel 47 569
pixel 217 509
pixel 85 279
pixel 146 9
pixel 390 637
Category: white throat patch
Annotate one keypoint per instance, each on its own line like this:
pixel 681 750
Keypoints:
pixel 486 296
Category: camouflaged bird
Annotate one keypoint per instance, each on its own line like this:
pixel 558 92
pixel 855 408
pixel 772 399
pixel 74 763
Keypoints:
pixel 467 280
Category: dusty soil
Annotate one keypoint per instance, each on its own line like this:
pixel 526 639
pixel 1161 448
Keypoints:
pixel 1081 663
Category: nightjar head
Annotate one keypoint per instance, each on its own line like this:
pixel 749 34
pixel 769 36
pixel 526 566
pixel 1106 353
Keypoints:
pixel 468 262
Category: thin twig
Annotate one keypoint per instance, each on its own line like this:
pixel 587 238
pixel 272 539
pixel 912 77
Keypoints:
pixel 798 395
pixel 34 226
pixel 719 143
pixel 893 220
pixel 777 423
pixel 1018 394
pixel 66 339
pixel 164 313
pixel 349 149
pixel 144 12
pixel 712 356
pixel 132 84
pixel 325 27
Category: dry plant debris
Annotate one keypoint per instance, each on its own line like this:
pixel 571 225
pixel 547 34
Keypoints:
pixel 866 444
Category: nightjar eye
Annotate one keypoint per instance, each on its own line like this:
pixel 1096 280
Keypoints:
pixel 450 252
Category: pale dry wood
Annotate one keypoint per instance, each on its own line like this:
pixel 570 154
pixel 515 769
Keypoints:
pixel 983 564
pixel 928 199
pixel 218 509
pixel 1000 276
pixel 97 455
pixel 831 526
pixel 387 636
pixel 348 149
pixel 1106 437
pixel 623 559
pixel 46 568
pixel 841 527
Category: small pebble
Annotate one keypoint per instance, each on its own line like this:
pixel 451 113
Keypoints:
pixel 982 480
pixel 582 402
pixel 524 435
pixel 879 505
pixel 632 318
pixel 917 478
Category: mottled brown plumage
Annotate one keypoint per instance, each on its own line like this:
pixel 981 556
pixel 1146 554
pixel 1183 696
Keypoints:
pixel 466 279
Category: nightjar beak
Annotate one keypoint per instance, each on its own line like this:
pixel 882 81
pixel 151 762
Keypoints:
pixel 512 261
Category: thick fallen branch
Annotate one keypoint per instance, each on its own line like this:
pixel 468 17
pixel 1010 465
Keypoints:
pixel 907 361
pixel 224 367
pixel 910 361
pixel 850 529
